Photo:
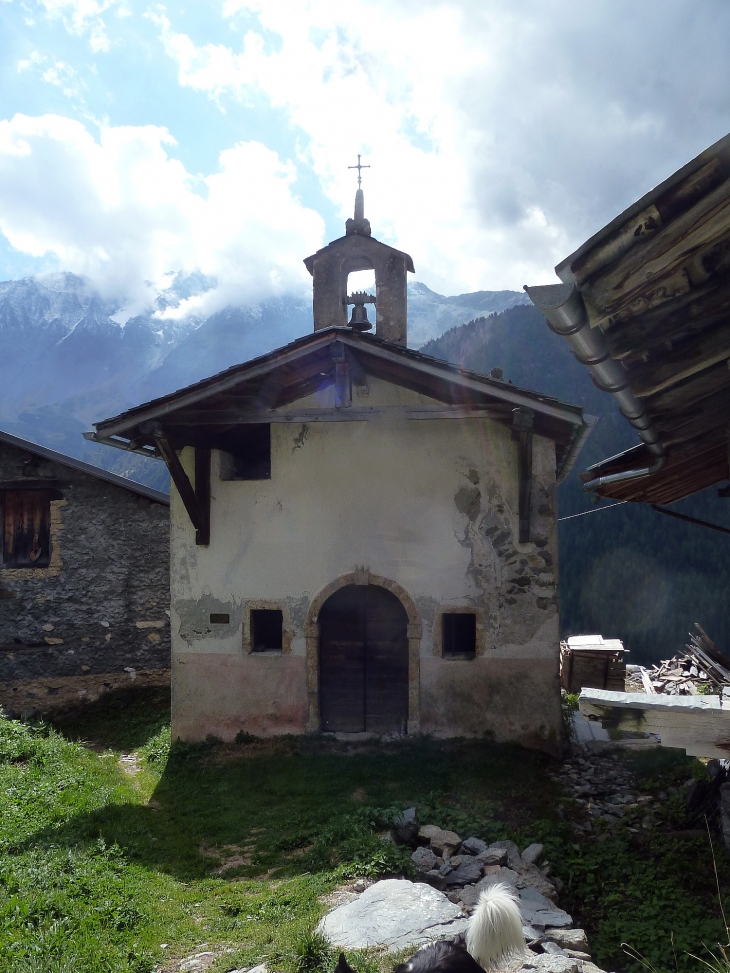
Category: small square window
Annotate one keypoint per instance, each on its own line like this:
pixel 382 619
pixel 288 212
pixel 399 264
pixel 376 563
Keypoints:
pixel 267 625
pixel 220 618
pixel 459 635
pixel 249 458
pixel 26 530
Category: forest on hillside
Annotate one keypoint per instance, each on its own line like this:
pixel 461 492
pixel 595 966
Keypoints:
pixel 625 571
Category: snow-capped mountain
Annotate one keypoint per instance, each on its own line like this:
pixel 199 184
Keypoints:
pixel 69 357
pixel 431 314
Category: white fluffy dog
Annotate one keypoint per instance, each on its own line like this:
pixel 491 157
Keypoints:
pixel 493 937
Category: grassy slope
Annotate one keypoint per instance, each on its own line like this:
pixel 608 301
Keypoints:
pixel 99 868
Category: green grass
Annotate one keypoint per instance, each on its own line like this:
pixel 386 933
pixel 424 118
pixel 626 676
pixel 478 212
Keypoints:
pixel 99 868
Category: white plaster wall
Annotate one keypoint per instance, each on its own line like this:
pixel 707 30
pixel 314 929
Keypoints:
pixel 429 504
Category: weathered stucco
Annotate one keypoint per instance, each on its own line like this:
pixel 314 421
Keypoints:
pixel 429 505
pixel 101 605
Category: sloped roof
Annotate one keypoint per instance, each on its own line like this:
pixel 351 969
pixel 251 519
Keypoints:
pixel 655 283
pixel 77 464
pixel 365 241
pixel 211 411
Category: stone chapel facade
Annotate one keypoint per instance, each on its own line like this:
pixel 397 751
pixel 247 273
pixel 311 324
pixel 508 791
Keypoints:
pixel 363 538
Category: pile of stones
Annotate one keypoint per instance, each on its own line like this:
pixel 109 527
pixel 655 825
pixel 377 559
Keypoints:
pixel 461 869
pixel 602 789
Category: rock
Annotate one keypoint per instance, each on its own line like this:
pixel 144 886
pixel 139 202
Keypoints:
pixel 424 859
pixel 568 938
pixel 29 713
pixel 200 961
pixel 536 910
pixel 467 872
pixel 475 846
pixel 435 878
pixel 552 948
pixel 531 876
pixel 493 856
pixel 536 899
pixel 444 843
pixel 394 913
pixel 445 870
pixel 577 954
pixel 589 967
pixel 531 934
pixel 494 873
pixel 455 860
pixel 469 896
pixel 513 852
pixel 532 855
pixel 405 827
pixel 558 964
pixel 10 714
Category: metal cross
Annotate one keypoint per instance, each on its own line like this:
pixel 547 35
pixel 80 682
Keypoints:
pixel 358 167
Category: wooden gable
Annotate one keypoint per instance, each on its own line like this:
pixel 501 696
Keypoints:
pixel 227 412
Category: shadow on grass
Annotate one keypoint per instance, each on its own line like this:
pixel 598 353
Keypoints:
pixel 123 720
pixel 276 805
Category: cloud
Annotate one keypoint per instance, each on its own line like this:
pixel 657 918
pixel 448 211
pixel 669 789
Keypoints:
pixel 82 18
pixel 501 134
pixel 122 211
pixel 58 73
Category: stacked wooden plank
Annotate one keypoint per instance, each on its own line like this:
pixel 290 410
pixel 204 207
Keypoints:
pixel 701 669
pixel 590 661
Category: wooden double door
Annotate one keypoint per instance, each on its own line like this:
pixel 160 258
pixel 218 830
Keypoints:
pixel 363 661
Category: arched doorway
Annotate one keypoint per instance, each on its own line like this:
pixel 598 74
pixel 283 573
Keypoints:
pixel 363 661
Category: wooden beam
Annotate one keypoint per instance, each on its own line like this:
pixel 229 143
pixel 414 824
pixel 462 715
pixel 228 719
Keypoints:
pixel 202 494
pixel 232 417
pixel 179 478
pixel 343 389
pixel 699 418
pixel 522 432
pixel 691 391
pixel 630 340
pixel 700 725
pixel 707 349
pixel 655 270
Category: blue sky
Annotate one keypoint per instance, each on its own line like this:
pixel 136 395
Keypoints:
pixel 138 139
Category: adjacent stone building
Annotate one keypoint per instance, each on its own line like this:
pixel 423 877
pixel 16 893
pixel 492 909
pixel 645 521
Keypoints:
pixel 363 538
pixel 84 579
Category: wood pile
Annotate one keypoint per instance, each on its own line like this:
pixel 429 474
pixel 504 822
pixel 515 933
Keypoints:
pixel 702 669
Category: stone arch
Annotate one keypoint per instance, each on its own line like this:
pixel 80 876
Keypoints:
pixel 363 576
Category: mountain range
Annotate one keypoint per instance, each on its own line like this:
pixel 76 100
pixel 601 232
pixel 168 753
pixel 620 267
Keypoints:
pixel 71 357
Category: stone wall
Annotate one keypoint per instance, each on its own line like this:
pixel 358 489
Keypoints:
pixel 102 604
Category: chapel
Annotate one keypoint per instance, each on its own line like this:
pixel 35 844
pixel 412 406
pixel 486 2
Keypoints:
pixel 363 538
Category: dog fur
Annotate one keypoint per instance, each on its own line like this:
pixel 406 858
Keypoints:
pixel 493 936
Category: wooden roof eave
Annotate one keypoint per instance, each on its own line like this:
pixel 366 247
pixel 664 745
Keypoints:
pixel 402 362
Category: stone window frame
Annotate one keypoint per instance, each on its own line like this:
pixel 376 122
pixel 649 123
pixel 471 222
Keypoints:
pixel 438 632
pixel 287 631
pixel 53 569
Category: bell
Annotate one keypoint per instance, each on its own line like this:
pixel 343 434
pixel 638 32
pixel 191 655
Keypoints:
pixel 359 320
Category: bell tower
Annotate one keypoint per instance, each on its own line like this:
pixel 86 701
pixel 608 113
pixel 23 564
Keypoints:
pixel 359 250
